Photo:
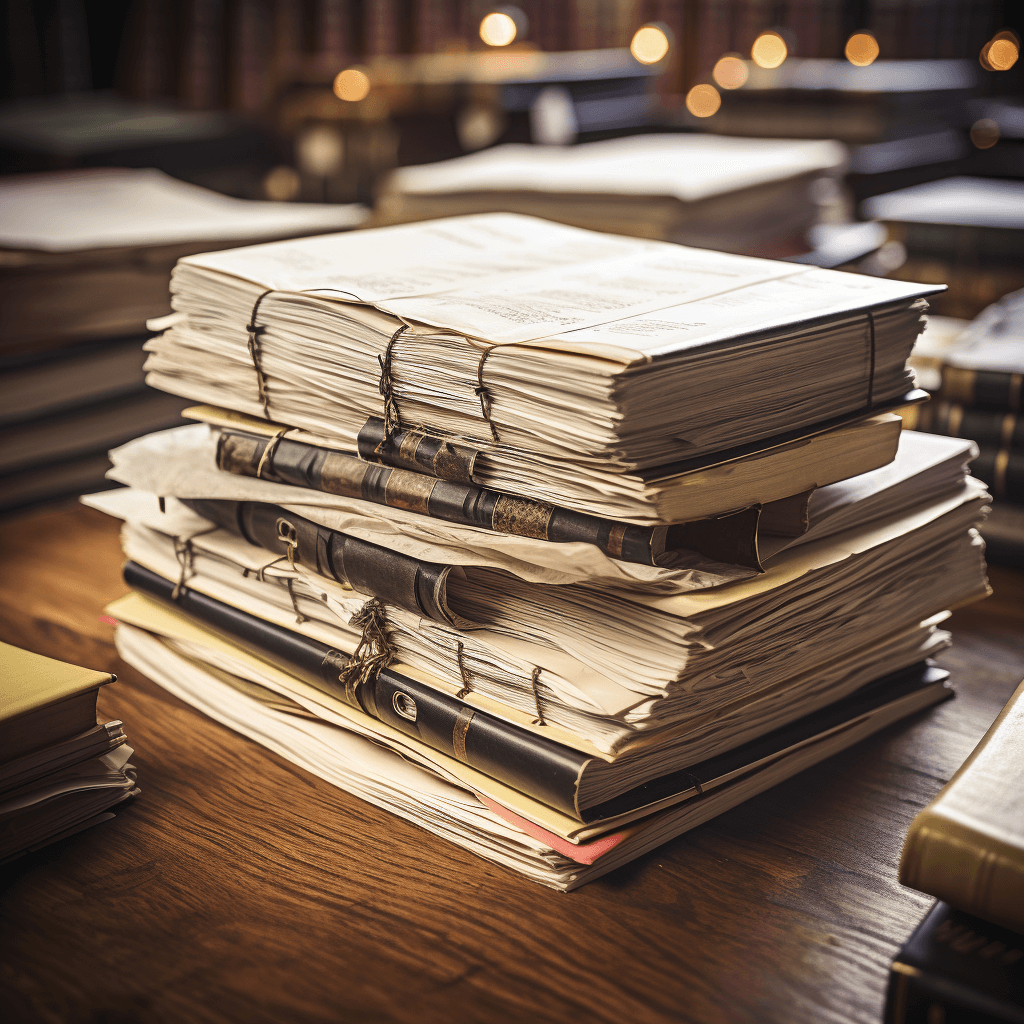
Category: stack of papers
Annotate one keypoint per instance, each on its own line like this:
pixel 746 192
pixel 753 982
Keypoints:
pixel 551 677
pixel 586 370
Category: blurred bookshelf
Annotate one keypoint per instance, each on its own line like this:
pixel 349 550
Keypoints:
pixel 244 95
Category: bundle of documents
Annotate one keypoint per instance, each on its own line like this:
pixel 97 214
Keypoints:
pixel 591 371
pixel 553 675
pixel 60 771
pixel 751 196
pixel 85 260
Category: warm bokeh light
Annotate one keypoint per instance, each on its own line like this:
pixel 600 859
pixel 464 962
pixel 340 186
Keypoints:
pixel 497 29
pixel 352 85
pixel 703 100
pixel 731 71
pixel 769 50
pixel 478 125
pixel 985 133
pixel 282 183
pixel 1000 53
pixel 861 49
pixel 650 44
pixel 320 151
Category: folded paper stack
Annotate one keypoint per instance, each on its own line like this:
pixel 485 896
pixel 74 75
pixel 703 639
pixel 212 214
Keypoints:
pixel 555 543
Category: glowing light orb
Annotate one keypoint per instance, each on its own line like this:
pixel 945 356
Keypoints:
pixel 769 50
pixel 650 44
pixel 352 85
pixel 861 49
pixel 703 100
pixel 1002 54
pixel 731 71
pixel 497 29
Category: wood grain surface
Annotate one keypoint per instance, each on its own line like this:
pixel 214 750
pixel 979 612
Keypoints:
pixel 239 888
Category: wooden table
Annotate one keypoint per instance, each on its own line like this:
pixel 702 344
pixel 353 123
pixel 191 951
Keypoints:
pixel 236 888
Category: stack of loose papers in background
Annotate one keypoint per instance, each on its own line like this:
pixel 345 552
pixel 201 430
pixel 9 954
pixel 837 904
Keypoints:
pixel 752 196
pixel 85 260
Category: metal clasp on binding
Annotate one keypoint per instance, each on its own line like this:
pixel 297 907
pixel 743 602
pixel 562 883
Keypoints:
pixel 288 535
pixel 404 705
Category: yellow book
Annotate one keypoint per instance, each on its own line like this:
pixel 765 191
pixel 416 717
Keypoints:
pixel 43 701
pixel 967 846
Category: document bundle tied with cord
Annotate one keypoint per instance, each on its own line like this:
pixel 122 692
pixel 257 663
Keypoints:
pixel 556 543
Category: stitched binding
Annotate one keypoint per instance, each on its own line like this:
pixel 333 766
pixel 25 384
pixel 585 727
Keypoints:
pixel 486 401
pixel 185 554
pixel 534 676
pixel 386 387
pixel 268 452
pixel 254 353
pixel 466 688
pixel 299 617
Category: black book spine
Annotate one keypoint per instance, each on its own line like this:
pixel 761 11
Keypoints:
pixel 1002 470
pixel 983 389
pixel 531 764
pixel 957 969
pixel 729 538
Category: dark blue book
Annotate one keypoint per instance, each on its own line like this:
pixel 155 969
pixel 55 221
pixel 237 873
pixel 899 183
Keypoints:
pixel 957 969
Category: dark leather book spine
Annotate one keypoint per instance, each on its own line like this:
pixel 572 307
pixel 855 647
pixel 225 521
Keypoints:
pixel 983 389
pixel 956 969
pixel 417 586
pixel 416 450
pixel 531 764
pixel 1002 470
pixel 729 538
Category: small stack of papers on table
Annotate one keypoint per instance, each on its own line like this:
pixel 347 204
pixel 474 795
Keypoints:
pixel 60 771
pixel 752 196
pixel 557 544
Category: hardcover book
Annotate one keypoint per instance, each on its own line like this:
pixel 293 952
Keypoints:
pixel 967 846
pixel 957 969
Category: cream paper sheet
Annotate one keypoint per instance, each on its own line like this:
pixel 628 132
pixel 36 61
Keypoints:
pixel 685 612
pixel 387 781
pixel 926 467
pixel 116 207
pixel 145 614
pixel 578 705
pixel 797 562
pixel 510 279
pixel 140 616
